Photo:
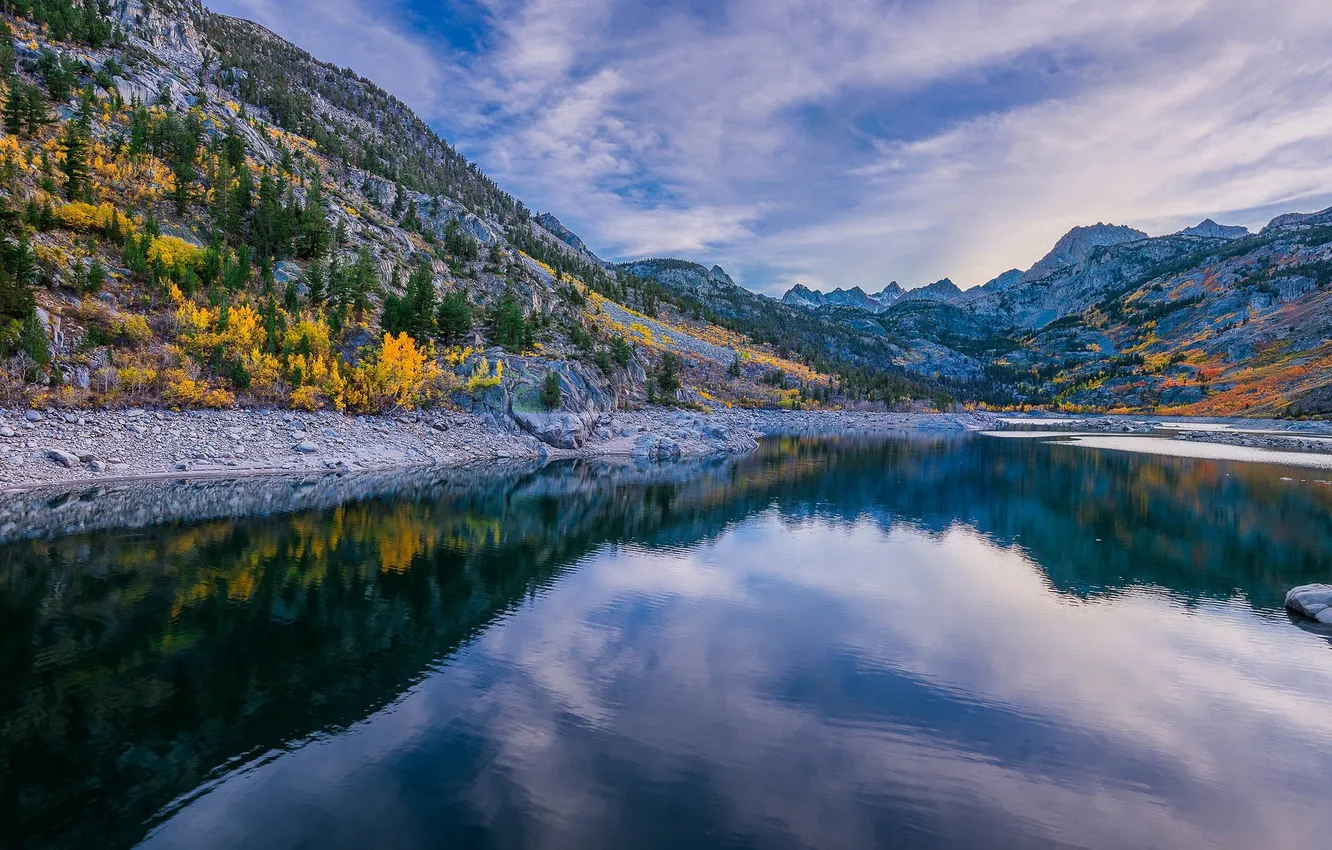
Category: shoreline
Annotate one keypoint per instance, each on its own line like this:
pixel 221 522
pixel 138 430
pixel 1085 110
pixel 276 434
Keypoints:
pixel 40 449
pixel 52 448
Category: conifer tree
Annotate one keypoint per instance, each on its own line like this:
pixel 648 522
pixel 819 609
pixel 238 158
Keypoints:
pixel 33 340
pixel 75 166
pixel 315 278
pixel 16 104
pixel 454 318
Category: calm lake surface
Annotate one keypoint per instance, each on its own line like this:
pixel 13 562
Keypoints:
pixel 917 643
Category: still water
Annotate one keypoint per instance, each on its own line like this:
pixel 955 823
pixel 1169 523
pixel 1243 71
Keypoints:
pixel 925 643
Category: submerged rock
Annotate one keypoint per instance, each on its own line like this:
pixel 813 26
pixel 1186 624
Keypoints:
pixel 1312 600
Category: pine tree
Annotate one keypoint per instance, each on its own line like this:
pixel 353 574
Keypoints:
pixel 421 302
pixel 291 298
pixel 33 340
pixel 364 281
pixel 77 176
pixel 314 220
pixel 238 207
pixel 509 326
pixel 454 318
pixel 16 104
pixel 34 113
pixel 222 197
pixel 315 278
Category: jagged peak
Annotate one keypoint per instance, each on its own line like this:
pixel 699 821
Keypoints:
pixel 1078 244
pixel 1209 229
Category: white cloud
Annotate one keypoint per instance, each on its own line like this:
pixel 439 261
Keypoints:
pixel 794 140
pixel 351 33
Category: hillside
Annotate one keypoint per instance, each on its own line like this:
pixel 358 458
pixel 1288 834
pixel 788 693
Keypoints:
pixel 194 212
pixel 198 213
pixel 1212 320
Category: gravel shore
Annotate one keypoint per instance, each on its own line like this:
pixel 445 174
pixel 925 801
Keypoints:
pixel 51 447
pixel 39 448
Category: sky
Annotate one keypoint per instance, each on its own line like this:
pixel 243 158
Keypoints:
pixel 857 142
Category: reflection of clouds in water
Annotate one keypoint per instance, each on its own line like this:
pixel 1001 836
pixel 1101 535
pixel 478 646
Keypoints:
pixel 1185 708
pixel 821 685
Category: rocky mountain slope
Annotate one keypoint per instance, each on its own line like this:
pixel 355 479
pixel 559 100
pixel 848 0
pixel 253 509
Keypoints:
pixel 1211 320
pixel 197 213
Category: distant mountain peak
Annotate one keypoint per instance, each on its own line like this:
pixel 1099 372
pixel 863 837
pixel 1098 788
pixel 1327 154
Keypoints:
pixel 889 293
pixel 567 236
pixel 1209 229
pixel 720 274
pixel 856 297
pixel 1079 243
pixel 940 290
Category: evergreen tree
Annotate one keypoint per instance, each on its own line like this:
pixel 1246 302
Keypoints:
pixel 77 175
pixel 291 298
pixel 269 226
pixel 238 208
pixel 33 340
pixel 668 375
pixel 454 318
pixel 314 220
pixel 364 281
pixel 509 326
pixel 16 105
pixel 222 197
pixel 35 112
pixel 734 369
pixel 315 278
pixel 552 394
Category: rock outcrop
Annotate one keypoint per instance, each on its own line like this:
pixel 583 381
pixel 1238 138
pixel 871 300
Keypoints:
pixel 1313 601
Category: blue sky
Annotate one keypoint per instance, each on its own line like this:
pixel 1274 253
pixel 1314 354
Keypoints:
pixel 858 141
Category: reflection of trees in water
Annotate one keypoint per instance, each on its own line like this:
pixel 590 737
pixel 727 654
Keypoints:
pixel 135 663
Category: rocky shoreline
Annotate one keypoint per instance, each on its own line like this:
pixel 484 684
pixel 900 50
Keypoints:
pixel 51 447
pixel 39 448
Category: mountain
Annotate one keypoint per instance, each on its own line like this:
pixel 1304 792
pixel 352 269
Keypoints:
pixel 196 213
pixel 1078 244
pixel 1207 321
pixel 942 290
pixel 854 298
pixel 553 226
pixel 1209 229
pixel 226 220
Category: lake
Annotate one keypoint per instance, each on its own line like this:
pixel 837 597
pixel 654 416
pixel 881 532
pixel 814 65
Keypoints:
pixel 934 642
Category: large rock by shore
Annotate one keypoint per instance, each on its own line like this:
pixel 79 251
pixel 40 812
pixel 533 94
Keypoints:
pixel 1313 601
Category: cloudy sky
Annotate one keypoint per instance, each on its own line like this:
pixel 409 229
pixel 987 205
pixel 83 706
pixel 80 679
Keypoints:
pixel 854 142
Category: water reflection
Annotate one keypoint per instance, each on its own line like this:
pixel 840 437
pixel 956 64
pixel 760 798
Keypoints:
pixel 927 643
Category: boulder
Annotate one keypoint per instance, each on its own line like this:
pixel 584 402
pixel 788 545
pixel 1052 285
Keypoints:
pixel 569 426
pixel 64 458
pixel 306 447
pixel 1313 601
pixel 32 416
pixel 650 447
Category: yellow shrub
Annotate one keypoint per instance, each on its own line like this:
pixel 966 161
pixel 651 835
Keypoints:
pixel 134 329
pixel 642 332
pixel 265 372
pixel 85 217
pixel 172 251
pixel 312 332
pixel 482 378
pixel 306 398
pixel 183 389
pixel 135 379
pixel 219 399
pixel 402 375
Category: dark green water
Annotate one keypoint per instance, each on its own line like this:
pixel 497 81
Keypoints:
pixel 921 644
